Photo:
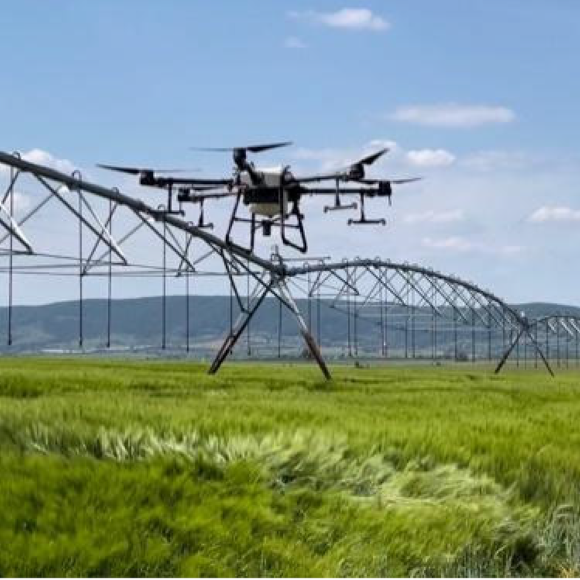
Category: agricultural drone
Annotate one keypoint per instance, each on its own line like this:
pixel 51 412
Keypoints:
pixel 272 195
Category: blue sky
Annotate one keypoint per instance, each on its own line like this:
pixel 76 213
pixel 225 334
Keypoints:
pixel 481 98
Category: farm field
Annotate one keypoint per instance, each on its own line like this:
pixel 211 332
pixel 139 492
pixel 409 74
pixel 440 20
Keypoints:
pixel 126 468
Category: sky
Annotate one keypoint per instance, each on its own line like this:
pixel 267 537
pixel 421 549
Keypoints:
pixel 479 98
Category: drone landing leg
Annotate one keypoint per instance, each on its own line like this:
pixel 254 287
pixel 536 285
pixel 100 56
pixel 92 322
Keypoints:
pixel 303 246
pixel 308 338
pixel 253 228
pixel 233 218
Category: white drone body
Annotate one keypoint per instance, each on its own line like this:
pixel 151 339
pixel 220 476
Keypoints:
pixel 272 178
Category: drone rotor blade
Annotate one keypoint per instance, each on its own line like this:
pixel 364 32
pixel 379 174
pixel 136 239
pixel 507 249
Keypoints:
pixel 137 170
pixel 403 181
pixel 219 149
pixel 251 148
pixel 130 170
pixel 370 159
pixel 392 181
pixel 266 147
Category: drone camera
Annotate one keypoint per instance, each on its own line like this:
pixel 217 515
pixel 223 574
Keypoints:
pixel 267 228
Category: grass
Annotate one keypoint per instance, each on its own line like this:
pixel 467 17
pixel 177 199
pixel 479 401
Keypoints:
pixel 135 468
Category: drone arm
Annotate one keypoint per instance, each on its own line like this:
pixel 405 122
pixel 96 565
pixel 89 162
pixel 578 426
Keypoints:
pixel 319 178
pixel 201 182
pixel 187 196
pixel 344 191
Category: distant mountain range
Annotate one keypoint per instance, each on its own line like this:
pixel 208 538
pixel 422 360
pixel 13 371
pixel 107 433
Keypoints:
pixel 137 326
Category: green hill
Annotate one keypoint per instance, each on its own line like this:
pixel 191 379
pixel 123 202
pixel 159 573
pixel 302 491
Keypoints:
pixel 137 324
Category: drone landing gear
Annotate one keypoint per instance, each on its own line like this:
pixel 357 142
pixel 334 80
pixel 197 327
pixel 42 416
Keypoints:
pixel 267 224
pixel 302 246
pixel 235 219
pixel 337 204
pixel 168 209
pixel 363 220
pixel 201 221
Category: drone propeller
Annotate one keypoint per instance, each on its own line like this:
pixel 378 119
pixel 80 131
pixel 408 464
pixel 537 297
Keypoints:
pixel 403 181
pixel 356 170
pixel 370 159
pixel 392 181
pixel 251 148
pixel 353 172
pixel 138 170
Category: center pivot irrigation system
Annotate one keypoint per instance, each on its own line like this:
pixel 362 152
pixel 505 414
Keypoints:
pixel 114 235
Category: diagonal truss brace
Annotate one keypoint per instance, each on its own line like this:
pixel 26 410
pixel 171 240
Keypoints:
pixel 13 228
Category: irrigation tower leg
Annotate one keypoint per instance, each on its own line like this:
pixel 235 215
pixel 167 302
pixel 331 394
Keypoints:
pixel 539 351
pixel 507 353
pixel 260 292
pixel 519 335
pixel 308 338
pixel 240 325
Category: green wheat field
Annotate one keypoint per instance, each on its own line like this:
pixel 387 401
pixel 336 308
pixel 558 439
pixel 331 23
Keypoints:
pixel 120 468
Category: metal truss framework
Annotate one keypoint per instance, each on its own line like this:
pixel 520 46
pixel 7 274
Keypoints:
pixel 369 293
pixel 559 335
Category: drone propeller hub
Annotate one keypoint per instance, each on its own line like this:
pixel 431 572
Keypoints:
pixel 385 189
pixel 147 177
pixel 356 171
pixel 240 157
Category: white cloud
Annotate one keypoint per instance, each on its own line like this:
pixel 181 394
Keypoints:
pixel 21 201
pixel 496 160
pixel 375 144
pixel 41 157
pixel 511 250
pixel 294 42
pixel 454 243
pixel 345 18
pixel 326 159
pixel 460 244
pixel 430 158
pixel 434 217
pixel 554 214
pixel 453 115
